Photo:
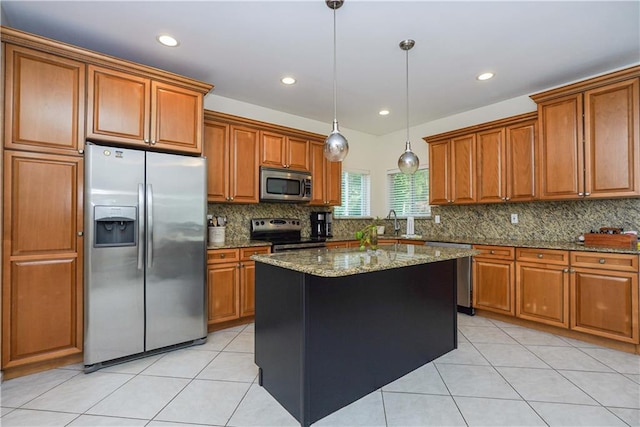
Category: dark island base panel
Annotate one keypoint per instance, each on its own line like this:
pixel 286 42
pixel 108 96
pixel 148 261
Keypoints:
pixel 323 343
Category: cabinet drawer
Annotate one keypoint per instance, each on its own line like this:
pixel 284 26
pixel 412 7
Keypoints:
pixel 246 253
pixel 216 256
pixel 620 262
pixel 546 256
pixel 495 252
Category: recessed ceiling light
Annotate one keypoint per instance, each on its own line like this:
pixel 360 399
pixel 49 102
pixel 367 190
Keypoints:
pixel 485 76
pixel 167 40
pixel 288 80
pixel 384 112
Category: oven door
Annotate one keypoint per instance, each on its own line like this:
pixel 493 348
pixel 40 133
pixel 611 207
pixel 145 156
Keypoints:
pixel 278 185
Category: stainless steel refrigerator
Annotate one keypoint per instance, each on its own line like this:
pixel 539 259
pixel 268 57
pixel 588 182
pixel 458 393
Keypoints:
pixel 145 253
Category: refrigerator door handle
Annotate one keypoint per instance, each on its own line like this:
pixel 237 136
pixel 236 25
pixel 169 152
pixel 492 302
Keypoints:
pixel 149 225
pixel 140 226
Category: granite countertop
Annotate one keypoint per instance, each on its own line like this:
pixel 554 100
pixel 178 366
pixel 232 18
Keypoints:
pixel 345 262
pixel 238 243
pixel 541 244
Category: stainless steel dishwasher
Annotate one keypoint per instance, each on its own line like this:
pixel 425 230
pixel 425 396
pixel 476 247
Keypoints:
pixel 463 277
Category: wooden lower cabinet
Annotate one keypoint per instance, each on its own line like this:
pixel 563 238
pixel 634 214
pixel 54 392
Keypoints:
pixel 42 288
pixel 231 283
pixel 604 294
pixel 542 291
pixel 493 279
pixel 339 245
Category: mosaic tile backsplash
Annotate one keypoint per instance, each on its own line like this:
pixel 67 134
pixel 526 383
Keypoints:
pixel 546 221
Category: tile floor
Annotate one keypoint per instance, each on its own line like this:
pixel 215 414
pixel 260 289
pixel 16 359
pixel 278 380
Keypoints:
pixel 501 374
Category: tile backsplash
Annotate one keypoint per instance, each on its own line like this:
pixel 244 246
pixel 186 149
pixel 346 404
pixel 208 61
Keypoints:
pixel 547 221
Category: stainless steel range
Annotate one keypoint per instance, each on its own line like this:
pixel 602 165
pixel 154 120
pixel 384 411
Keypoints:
pixel 284 234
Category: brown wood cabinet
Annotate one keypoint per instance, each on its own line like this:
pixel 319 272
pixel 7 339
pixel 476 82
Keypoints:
pixel 43 102
pixel 589 144
pixel 493 279
pixel 326 178
pixel 232 154
pixel 452 171
pixel 133 109
pixel 281 151
pixel 487 163
pixel 542 286
pixel 505 163
pixel 231 283
pixel 604 295
pixel 42 288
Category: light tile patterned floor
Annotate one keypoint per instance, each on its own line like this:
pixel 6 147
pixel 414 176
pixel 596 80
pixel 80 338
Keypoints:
pixel 501 375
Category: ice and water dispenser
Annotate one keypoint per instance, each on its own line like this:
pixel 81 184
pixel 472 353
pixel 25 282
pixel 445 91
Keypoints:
pixel 115 226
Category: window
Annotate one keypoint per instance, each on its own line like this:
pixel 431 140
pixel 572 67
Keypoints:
pixel 355 195
pixel 409 194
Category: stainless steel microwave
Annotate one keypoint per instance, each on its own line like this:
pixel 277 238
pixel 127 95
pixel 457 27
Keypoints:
pixel 283 185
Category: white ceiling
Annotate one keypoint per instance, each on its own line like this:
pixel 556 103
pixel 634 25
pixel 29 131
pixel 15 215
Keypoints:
pixel 244 48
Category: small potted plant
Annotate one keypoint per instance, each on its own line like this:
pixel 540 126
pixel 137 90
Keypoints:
pixel 379 225
pixel 368 236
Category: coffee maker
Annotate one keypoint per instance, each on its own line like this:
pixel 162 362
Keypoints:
pixel 322 224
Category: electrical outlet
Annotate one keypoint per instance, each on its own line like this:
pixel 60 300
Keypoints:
pixel 436 219
pixel 514 218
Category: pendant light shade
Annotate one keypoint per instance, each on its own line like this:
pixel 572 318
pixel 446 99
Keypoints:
pixel 408 162
pixel 336 146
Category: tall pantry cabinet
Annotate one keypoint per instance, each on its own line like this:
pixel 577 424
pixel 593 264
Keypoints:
pixel 45 93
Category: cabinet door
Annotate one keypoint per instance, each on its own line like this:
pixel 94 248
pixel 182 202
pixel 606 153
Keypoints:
pixel 520 151
pixel 247 288
pixel 118 106
pixel 298 154
pixel 491 163
pixel 273 150
pixel 493 285
pixel 612 143
pixel 224 298
pixel 463 178
pixel 43 102
pixel 333 183
pixel 317 175
pixel 176 118
pixel 244 165
pixel 542 293
pixel 561 154
pixel 42 301
pixel 605 303
pixel 343 244
pixel 216 150
pixel 439 173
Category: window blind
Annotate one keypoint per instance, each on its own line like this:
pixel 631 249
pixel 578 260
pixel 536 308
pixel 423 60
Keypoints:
pixel 356 195
pixel 408 195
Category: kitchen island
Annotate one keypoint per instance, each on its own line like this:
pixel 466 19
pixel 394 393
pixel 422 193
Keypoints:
pixel 334 325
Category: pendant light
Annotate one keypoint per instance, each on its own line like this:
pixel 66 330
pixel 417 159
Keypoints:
pixel 336 145
pixel 408 161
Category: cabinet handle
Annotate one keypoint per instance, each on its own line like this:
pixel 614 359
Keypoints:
pixel 222 255
pixel 492 252
pixel 153 142
pixel 540 255
pixel 80 233
pixel 81 151
pixel 571 270
pixel 602 260
pixel 581 194
pixel 146 141
pixel 565 270
pixel 587 194
pixel 508 198
pixel 231 198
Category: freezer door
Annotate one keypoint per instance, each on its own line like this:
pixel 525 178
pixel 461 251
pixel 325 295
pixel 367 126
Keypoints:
pixel 114 279
pixel 176 249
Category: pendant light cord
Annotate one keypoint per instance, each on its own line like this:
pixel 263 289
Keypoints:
pixel 335 70
pixel 407 62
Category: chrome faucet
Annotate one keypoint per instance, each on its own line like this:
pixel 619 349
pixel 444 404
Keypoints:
pixel 396 227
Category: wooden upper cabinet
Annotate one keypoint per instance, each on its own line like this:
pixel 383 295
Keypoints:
pixel 521 166
pixel 612 143
pixel 280 151
pixel 561 161
pixel 589 138
pixel 326 176
pixel 463 171
pixel 491 164
pixel 43 102
pixel 134 110
pixel 176 118
pixel 439 173
pixel 232 154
